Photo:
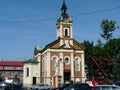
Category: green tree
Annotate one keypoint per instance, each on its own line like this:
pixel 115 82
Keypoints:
pixel 98 49
pixel 107 26
pixel 91 71
pixel 114 50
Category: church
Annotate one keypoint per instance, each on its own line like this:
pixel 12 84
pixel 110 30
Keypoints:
pixel 60 61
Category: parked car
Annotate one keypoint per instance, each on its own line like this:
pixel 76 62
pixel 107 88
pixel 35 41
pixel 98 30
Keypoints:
pixel 117 83
pixel 106 87
pixel 11 86
pixel 79 86
pixel 41 87
pixel 62 86
pixel 2 84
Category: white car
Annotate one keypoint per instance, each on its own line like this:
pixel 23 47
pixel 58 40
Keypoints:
pixel 106 87
pixel 41 87
pixel 2 84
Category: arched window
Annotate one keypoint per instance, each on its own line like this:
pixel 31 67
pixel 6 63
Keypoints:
pixel 54 63
pixel 27 72
pixel 67 60
pixel 77 64
pixel 66 32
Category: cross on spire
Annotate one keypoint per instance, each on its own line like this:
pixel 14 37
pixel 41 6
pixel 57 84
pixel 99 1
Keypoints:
pixel 64 8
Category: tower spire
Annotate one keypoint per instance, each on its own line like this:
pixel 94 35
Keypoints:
pixel 64 16
pixel 64 8
pixel 63 1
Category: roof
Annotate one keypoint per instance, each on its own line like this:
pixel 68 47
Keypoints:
pixel 11 63
pixel 50 45
pixel 38 48
pixel 31 60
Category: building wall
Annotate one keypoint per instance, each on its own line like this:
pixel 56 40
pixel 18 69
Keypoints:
pixel 11 71
pixel 51 76
pixel 34 71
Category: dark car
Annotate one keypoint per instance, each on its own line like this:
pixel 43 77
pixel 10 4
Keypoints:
pixel 10 86
pixel 117 83
pixel 62 86
pixel 79 86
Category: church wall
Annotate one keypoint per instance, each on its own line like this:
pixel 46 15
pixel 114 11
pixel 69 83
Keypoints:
pixel 54 54
pixel 33 72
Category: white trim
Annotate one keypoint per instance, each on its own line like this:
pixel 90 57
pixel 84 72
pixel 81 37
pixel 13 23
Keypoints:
pixel 62 50
pixel 55 56
pixel 71 32
pixel 61 63
pixel 61 30
pixel 72 66
pixel 48 64
pixel 83 68
pixel 39 54
pixel 71 42
pixel 61 42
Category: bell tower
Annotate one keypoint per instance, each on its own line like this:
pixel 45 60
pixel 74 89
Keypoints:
pixel 64 27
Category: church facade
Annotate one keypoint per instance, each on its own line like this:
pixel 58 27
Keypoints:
pixel 59 62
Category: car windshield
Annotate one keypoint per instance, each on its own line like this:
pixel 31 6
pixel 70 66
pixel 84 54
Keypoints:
pixel 65 85
pixel 115 88
pixel 97 88
pixel 74 85
pixel 117 83
pixel 41 84
pixel 106 88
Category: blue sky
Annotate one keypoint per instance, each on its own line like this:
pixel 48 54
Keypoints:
pixel 27 23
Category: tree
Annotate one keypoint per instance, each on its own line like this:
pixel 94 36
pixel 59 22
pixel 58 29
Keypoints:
pixel 107 26
pixel 114 50
pixel 88 53
pixel 101 50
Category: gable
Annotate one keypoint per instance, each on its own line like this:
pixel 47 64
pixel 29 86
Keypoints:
pixel 55 45
pixel 77 45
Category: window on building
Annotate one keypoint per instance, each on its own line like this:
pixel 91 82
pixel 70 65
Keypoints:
pixel 54 63
pixel 66 32
pixel 18 68
pixel 27 71
pixel 66 60
pixel 7 68
pixel 77 64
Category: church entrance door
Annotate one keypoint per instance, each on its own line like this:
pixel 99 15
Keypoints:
pixel 67 75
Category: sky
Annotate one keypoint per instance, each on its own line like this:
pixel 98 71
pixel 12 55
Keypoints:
pixel 25 24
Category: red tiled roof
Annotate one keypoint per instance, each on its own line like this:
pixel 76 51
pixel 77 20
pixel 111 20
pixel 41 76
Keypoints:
pixel 11 63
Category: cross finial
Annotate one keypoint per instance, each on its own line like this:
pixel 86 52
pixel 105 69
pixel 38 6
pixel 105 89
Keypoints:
pixel 64 7
pixel 63 1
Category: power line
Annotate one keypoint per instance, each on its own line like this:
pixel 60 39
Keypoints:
pixel 49 19
pixel 25 21
pixel 99 11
